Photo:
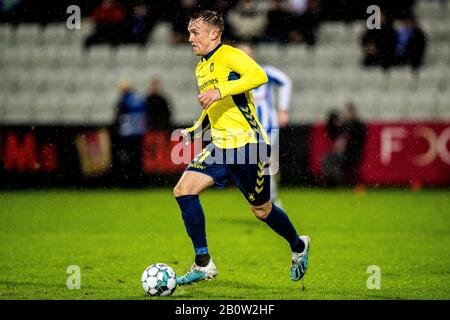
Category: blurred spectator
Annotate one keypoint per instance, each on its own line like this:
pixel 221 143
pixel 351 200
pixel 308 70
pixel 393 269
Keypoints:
pixel 183 11
pixel 278 18
pixel 304 23
pixel 333 126
pixel 397 9
pixel 411 42
pixel 158 109
pixel 345 10
pixel 354 130
pixel 347 133
pixel 130 125
pixel 223 6
pixel 379 44
pixel 247 21
pixel 139 25
pixel 332 160
pixel 109 19
pixel 299 7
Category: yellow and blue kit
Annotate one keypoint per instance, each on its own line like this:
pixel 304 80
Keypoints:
pixel 240 148
pixel 232 119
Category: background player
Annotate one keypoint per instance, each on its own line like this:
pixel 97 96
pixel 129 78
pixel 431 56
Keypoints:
pixel 272 119
pixel 226 76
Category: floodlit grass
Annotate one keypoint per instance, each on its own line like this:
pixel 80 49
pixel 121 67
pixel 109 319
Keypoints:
pixel 114 235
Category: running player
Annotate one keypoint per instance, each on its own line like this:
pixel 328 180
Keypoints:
pixel 240 148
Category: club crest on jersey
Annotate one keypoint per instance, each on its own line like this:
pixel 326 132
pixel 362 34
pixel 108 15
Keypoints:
pixel 211 67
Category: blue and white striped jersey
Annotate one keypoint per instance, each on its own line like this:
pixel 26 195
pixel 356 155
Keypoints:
pixel 264 97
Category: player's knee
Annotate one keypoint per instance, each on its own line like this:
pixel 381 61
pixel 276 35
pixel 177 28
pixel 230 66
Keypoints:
pixel 180 190
pixel 184 189
pixel 261 212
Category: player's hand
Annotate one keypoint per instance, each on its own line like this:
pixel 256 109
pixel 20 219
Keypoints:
pixel 208 97
pixel 283 118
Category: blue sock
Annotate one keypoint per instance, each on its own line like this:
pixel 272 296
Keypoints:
pixel 280 223
pixel 194 221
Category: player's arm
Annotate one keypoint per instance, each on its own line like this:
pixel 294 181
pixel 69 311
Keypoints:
pixel 250 74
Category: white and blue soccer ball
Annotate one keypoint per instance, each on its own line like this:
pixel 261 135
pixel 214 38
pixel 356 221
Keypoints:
pixel 159 280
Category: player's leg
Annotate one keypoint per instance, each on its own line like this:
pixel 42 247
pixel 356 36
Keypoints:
pixel 279 221
pixel 254 182
pixel 202 173
pixel 186 192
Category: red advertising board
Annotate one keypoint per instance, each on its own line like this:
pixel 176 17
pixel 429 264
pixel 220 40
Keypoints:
pixel 162 154
pixel 396 153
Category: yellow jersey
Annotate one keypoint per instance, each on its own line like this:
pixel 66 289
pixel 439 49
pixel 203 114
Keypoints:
pixel 232 119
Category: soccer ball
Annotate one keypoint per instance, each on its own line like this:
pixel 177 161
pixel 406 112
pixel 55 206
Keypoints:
pixel 159 280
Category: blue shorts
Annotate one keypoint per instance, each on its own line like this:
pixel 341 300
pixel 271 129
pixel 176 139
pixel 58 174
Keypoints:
pixel 247 167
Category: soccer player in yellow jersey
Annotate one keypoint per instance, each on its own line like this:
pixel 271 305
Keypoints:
pixel 239 151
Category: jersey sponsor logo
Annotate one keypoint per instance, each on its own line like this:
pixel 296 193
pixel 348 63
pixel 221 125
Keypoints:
pixel 207 83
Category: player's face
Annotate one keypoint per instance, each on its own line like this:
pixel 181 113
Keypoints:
pixel 200 35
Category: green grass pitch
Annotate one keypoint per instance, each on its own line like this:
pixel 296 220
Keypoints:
pixel 114 235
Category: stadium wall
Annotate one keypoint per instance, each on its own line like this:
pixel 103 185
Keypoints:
pixel 396 153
